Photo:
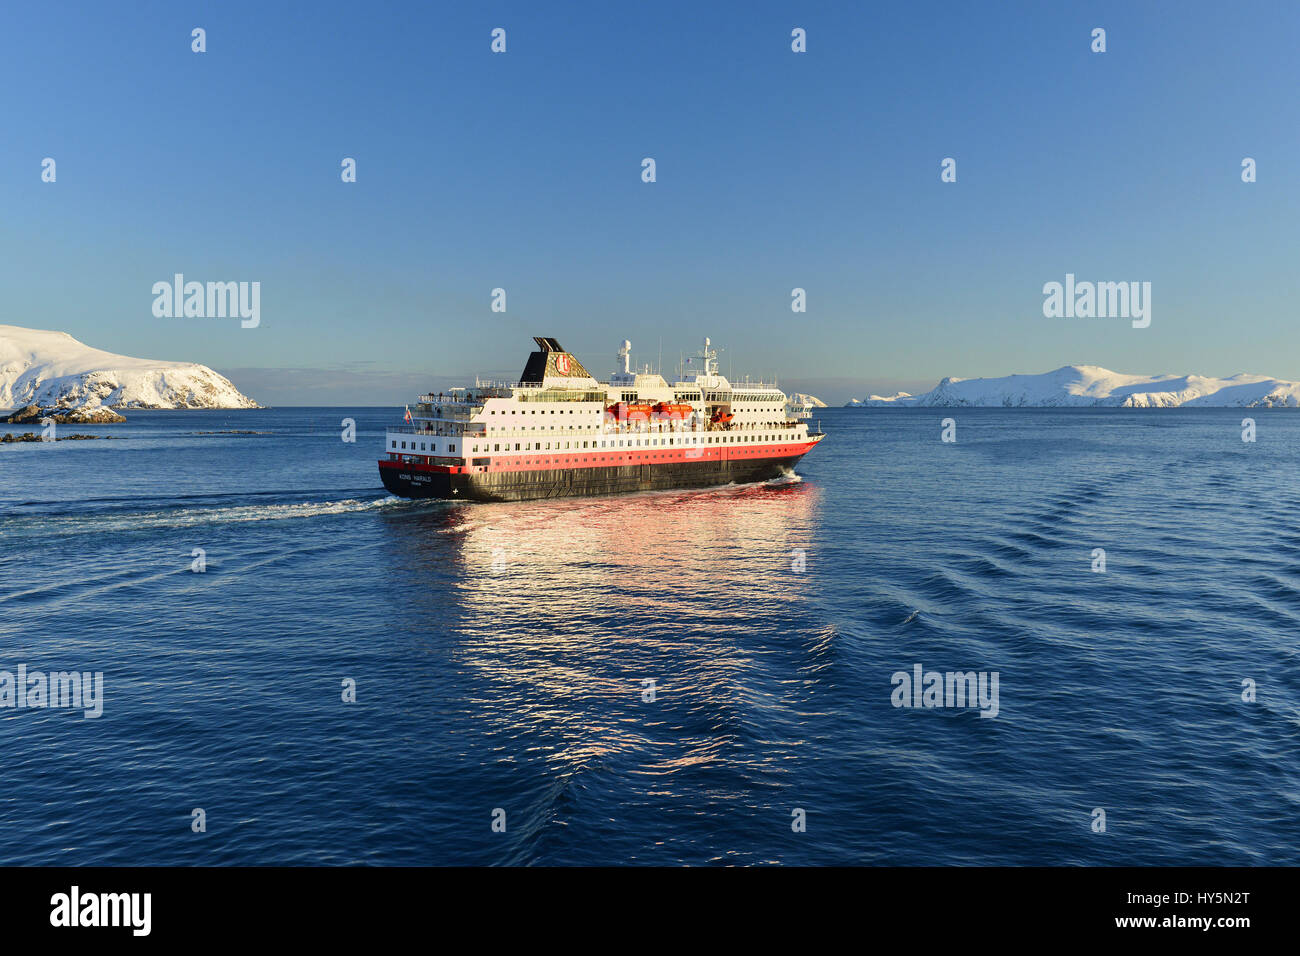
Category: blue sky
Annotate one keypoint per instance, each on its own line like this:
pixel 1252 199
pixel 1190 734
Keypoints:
pixel 775 170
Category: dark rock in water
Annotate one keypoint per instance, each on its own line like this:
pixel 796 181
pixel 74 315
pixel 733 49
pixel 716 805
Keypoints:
pixel 10 438
pixel 35 415
pixel 99 416
pixel 24 415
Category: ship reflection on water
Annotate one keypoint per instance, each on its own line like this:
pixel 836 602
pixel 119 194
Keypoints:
pixel 542 622
pixel 566 567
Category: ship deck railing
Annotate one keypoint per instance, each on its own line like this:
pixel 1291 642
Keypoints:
pixel 732 426
pixel 479 430
pixel 475 395
pixel 471 430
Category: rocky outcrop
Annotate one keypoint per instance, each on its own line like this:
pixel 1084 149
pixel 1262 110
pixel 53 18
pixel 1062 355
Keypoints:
pixel 36 415
pixel 9 438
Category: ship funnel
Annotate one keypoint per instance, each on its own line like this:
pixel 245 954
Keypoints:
pixel 625 357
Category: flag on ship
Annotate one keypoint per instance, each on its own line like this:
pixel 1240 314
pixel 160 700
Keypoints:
pixel 408 413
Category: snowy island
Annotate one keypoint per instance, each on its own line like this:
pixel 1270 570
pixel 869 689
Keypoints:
pixel 1090 385
pixel 55 375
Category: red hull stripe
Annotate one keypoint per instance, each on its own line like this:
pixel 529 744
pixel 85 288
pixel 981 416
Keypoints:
pixel 583 458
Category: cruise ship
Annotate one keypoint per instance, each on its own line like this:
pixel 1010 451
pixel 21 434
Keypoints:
pixel 559 431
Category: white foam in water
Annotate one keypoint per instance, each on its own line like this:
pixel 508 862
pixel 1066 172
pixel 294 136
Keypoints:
pixel 239 513
pixel 189 517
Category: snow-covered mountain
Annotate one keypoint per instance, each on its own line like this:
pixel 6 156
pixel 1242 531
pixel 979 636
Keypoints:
pixel 1087 385
pixel 898 398
pixel 45 368
pixel 813 400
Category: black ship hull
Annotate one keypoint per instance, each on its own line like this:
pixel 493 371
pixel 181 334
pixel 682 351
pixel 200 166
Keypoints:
pixel 412 481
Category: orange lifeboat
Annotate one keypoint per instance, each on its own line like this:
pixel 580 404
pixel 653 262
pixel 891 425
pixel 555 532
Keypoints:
pixel 629 411
pixel 672 410
pixel 721 418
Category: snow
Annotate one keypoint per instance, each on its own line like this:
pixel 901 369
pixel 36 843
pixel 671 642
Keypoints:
pixel 895 399
pixel 1091 385
pixel 39 367
pixel 813 400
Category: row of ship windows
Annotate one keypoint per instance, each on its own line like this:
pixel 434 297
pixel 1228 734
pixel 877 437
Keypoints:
pixel 736 435
pixel 533 428
pixel 579 428
pixel 629 443
pixel 450 448
pixel 533 411
pixel 633 397
pixel 569 461
pixel 570 411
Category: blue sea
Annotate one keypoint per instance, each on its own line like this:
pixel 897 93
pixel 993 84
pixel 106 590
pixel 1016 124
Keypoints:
pixel 502 654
